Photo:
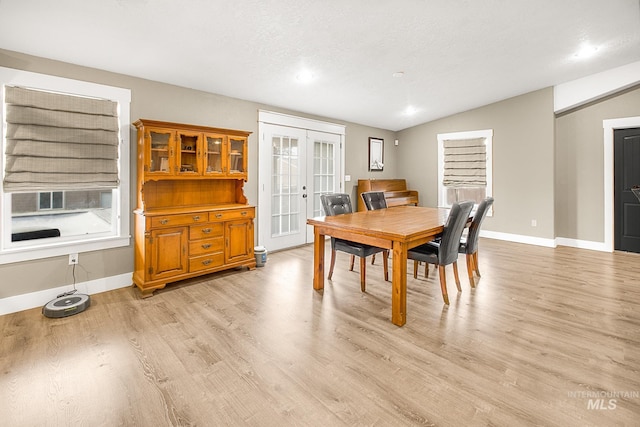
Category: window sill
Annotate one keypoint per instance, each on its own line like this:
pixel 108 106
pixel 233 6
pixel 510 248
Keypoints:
pixel 9 256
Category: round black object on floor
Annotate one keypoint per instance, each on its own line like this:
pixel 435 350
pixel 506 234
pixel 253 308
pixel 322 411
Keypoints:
pixel 66 305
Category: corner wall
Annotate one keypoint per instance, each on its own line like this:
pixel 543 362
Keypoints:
pixel 523 161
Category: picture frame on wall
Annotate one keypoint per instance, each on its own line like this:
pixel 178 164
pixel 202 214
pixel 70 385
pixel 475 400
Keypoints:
pixel 376 154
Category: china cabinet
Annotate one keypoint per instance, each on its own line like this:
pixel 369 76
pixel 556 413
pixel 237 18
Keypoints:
pixel 192 216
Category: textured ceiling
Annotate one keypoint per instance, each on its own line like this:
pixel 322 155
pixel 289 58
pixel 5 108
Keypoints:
pixel 455 54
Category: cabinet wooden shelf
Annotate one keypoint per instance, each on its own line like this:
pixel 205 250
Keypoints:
pixel 192 217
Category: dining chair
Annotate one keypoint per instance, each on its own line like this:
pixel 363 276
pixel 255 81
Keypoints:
pixel 469 246
pixel 338 204
pixel 446 251
pixel 374 200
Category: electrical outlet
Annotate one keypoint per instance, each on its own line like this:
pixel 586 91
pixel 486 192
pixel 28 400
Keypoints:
pixel 73 259
pixel 534 223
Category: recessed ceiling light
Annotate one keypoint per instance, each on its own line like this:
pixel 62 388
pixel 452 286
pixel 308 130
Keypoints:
pixel 410 111
pixel 304 76
pixel 586 51
pixel 398 74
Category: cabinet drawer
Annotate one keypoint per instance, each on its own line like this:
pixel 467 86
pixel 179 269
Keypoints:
pixel 206 231
pixel 231 214
pixel 206 246
pixel 171 220
pixel 205 261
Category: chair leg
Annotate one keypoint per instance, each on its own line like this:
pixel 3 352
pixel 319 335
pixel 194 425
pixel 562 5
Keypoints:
pixel 470 270
pixel 455 274
pixel 443 284
pixel 373 259
pixel 363 273
pixel 353 260
pixel 333 262
pixel 426 270
pixel 415 269
pixel 475 263
pixel 385 264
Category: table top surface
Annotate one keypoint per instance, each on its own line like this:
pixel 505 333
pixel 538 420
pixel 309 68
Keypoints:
pixel 395 223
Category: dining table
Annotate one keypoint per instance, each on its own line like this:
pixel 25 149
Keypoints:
pixel 398 229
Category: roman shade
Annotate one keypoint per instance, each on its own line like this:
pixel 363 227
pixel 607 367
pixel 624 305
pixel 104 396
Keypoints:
pixel 59 142
pixel 465 163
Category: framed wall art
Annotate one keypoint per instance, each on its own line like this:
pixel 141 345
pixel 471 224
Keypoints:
pixel 376 154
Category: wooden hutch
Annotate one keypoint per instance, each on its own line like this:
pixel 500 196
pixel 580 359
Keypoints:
pixel 192 217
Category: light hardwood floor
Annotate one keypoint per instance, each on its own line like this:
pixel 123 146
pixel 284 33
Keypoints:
pixel 546 334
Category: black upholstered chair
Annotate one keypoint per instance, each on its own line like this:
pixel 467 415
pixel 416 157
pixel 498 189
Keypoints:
pixel 338 204
pixel 446 251
pixel 469 246
pixel 374 200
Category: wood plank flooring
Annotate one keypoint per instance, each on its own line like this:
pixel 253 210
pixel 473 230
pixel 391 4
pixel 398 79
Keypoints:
pixel 543 338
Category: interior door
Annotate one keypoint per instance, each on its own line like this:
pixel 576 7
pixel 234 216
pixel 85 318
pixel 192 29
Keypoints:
pixel 296 166
pixel 626 150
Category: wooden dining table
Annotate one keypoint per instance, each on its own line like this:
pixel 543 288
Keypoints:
pixel 398 229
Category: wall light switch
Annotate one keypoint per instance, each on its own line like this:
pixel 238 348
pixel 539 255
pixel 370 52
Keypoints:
pixel 347 178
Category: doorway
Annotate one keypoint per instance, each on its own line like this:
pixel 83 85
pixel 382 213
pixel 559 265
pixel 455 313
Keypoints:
pixel 299 159
pixel 626 143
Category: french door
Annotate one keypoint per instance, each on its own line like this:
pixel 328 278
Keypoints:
pixel 296 166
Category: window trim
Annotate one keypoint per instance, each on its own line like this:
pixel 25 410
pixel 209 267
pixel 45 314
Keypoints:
pixel 30 250
pixel 487 134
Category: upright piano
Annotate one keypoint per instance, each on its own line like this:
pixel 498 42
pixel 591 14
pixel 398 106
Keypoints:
pixel 395 192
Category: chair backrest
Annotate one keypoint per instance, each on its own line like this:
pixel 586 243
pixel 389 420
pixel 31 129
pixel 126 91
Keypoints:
pixel 336 204
pixel 450 242
pixel 474 228
pixel 374 200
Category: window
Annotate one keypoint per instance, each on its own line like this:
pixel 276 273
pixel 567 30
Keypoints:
pixel 464 166
pixel 63 190
pixel 50 200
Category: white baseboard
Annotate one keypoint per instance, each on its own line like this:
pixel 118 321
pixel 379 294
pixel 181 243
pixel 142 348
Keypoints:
pixel 518 238
pixel 550 243
pixel 582 244
pixel 38 299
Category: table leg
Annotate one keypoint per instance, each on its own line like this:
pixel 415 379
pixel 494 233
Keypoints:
pixel 399 284
pixel 318 260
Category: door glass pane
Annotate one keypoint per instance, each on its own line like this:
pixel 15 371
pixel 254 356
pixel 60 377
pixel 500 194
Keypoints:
pixel 214 154
pixel 159 151
pixel 188 154
pixel 285 190
pixel 323 172
pixel 236 154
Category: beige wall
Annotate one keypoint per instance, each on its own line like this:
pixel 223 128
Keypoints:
pixel 158 101
pixel 580 164
pixel 523 160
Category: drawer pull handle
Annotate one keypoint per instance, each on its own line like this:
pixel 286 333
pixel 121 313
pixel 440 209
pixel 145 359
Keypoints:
pixel 164 221
pixel 206 262
pixel 196 218
pixel 218 215
pixel 244 213
pixel 206 246
pixel 206 230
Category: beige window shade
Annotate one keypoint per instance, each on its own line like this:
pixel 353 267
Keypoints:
pixel 59 142
pixel 465 163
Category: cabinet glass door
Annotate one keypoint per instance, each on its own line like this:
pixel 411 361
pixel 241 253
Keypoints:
pixel 160 156
pixel 215 152
pixel 189 151
pixel 237 155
